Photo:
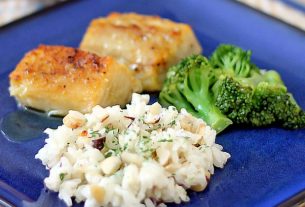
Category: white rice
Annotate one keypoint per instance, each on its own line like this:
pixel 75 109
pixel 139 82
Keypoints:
pixel 144 155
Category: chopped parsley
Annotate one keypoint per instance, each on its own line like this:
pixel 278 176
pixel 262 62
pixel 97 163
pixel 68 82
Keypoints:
pixel 125 147
pixel 165 140
pixel 109 128
pixel 108 154
pixel 172 123
pixel 95 134
pixel 62 176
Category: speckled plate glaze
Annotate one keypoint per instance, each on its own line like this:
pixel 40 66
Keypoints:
pixel 267 165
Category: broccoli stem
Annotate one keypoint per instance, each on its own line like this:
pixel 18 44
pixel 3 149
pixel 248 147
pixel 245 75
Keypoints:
pixel 196 90
pixel 175 98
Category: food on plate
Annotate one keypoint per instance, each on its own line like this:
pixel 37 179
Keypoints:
pixel 56 79
pixel 249 95
pixel 143 155
pixel 148 45
pixel 230 88
pixel 188 86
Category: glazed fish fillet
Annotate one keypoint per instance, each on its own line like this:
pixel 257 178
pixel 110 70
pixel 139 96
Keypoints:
pixel 56 79
pixel 148 45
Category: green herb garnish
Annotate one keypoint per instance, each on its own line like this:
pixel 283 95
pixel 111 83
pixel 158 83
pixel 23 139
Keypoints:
pixel 62 176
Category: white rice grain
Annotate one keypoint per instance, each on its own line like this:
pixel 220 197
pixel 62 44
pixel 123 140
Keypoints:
pixel 144 155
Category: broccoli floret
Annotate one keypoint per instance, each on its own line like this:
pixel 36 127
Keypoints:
pixel 233 99
pixel 262 113
pixel 170 94
pixel 234 96
pixel 273 104
pixel 254 97
pixel 233 60
pixel 230 88
pixel 188 86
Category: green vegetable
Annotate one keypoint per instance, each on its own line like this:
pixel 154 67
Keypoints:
pixel 188 86
pixel 230 88
pixel 233 60
pixel 274 104
pixel 62 176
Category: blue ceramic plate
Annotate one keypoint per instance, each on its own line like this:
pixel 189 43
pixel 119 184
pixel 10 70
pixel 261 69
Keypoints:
pixel 267 165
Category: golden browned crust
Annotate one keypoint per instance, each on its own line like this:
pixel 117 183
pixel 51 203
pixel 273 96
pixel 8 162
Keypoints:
pixel 48 64
pixel 63 78
pixel 149 45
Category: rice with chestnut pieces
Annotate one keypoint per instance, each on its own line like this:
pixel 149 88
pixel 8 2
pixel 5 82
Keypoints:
pixel 144 155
